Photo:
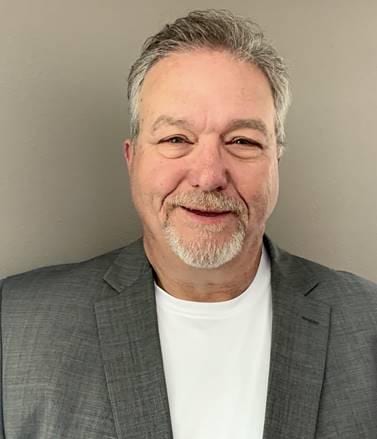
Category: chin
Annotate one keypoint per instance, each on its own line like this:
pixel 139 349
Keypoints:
pixel 206 251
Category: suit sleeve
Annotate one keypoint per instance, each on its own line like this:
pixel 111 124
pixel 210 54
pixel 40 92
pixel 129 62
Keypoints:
pixel 2 433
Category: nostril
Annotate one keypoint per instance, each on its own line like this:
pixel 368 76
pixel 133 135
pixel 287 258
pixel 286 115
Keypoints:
pixel 209 181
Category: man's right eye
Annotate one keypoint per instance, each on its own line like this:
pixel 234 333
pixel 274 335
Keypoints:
pixel 174 146
pixel 174 139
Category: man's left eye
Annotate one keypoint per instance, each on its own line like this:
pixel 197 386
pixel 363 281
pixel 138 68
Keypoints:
pixel 245 141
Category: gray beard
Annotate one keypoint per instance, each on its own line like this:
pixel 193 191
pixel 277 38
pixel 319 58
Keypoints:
pixel 206 252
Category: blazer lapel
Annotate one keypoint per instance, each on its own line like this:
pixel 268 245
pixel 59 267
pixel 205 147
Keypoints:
pixel 298 350
pixel 129 340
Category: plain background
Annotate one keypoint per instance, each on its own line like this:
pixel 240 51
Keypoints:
pixel 63 116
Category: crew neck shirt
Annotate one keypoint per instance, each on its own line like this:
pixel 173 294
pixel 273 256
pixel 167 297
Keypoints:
pixel 216 359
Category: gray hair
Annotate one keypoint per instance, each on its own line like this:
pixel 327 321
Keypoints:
pixel 217 30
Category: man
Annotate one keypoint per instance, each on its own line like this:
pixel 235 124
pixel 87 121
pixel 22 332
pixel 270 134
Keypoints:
pixel 204 328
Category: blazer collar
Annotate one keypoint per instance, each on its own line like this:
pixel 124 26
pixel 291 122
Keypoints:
pixel 128 267
pixel 128 330
pixel 132 263
pixel 300 329
pixel 129 341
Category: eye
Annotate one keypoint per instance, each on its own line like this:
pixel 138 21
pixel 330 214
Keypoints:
pixel 175 139
pixel 245 141
pixel 244 147
pixel 174 146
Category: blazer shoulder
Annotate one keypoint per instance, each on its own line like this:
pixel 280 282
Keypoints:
pixel 351 297
pixel 83 277
pixel 331 286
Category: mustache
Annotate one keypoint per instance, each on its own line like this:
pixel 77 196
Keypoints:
pixel 206 201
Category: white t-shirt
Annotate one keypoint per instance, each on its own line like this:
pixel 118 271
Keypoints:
pixel 216 361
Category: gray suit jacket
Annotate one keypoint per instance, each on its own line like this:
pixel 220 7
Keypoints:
pixel 82 359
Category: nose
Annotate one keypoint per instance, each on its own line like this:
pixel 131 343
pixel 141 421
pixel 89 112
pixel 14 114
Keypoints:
pixel 208 170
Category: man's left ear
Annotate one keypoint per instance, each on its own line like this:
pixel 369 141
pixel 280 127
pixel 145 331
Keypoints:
pixel 281 150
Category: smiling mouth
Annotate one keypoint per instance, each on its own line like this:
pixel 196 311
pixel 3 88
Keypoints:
pixel 206 213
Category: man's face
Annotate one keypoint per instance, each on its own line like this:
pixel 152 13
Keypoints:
pixel 204 169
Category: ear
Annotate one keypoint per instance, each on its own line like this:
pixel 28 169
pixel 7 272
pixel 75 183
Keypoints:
pixel 128 152
pixel 281 150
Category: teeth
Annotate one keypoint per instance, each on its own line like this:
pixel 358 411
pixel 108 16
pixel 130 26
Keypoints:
pixel 204 211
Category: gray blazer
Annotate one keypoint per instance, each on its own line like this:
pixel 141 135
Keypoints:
pixel 81 355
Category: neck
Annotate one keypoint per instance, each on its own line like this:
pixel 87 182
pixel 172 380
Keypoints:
pixel 203 285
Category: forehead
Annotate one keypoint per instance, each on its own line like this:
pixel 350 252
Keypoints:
pixel 204 83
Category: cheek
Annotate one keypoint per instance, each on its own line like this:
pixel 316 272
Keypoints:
pixel 274 183
pixel 259 187
pixel 272 191
pixel 153 179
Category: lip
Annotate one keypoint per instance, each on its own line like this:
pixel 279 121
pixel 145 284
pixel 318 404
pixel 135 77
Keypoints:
pixel 206 217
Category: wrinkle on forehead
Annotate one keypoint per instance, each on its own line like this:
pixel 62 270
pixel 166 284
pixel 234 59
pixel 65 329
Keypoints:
pixel 209 89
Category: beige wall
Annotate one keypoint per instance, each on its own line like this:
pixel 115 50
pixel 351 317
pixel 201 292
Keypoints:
pixel 63 185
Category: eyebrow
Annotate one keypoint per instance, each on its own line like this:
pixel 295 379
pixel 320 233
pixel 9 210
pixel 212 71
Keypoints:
pixel 235 124
pixel 168 120
pixel 252 124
